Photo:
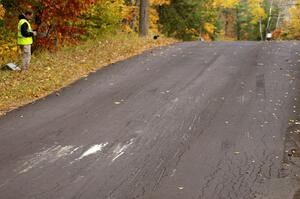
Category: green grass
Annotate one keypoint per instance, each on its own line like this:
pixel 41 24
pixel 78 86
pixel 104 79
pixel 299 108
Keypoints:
pixel 50 72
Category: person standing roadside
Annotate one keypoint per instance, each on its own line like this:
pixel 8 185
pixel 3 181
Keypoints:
pixel 25 38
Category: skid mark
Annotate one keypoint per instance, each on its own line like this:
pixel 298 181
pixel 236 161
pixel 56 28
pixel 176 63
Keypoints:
pixel 49 155
pixel 120 149
pixel 92 150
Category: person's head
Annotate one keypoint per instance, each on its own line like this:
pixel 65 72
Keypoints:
pixel 28 14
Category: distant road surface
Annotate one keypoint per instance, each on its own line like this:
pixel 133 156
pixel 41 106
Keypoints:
pixel 193 120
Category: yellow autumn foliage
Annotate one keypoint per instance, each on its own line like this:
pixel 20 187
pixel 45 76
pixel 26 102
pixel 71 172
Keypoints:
pixel 257 11
pixel 2 11
pixel 153 19
pixel 8 51
pixel 294 23
pixel 225 4
pixel 160 2
pixel 8 46
pixel 210 28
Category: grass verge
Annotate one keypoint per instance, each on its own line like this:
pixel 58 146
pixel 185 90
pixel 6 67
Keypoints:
pixel 50 72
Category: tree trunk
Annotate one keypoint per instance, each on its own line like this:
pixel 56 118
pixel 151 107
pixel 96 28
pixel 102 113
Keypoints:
pixel 134 20
pixel 238 24
pixel 226 23
pixel 279 16
pixel 144 18
pixel 132 23
pixel 270 17
pixel 260 30
pixel 278 20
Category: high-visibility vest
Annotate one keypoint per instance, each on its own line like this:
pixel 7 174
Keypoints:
pixel 21 39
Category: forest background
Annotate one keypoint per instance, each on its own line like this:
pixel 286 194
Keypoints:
pixel 61 22
pixel 76 37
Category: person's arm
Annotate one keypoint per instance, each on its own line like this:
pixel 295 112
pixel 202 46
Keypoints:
pixel 25 32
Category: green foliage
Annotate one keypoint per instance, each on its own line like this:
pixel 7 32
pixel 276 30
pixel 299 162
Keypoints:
pixel 105 16
pixel 186 19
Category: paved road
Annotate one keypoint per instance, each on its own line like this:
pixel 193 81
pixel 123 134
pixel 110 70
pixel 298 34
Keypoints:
pixel 189 121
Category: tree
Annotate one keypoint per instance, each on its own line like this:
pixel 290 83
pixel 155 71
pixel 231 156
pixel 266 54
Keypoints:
pixel 144 18
pixel 294 21
pixel 189 19
pixel 104 17
pixel 230 11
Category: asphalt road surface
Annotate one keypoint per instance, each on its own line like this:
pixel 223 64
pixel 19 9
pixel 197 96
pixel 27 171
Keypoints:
pixel 189 121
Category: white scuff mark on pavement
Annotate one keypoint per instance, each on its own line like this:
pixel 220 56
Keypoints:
pixel 173 172
pixel 74 150
pixel 92 150
pixel 241 99
pixel 49 155
pixel 249 135
pixel 120 150
pixel 275 116
pixel 157 115
pixel 5 183
pixel 193 122
pixel 78 179
pixel 139 131
pixel 185 137
pixel 175 100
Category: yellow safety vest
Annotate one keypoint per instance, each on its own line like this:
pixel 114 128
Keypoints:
pixel 24 40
